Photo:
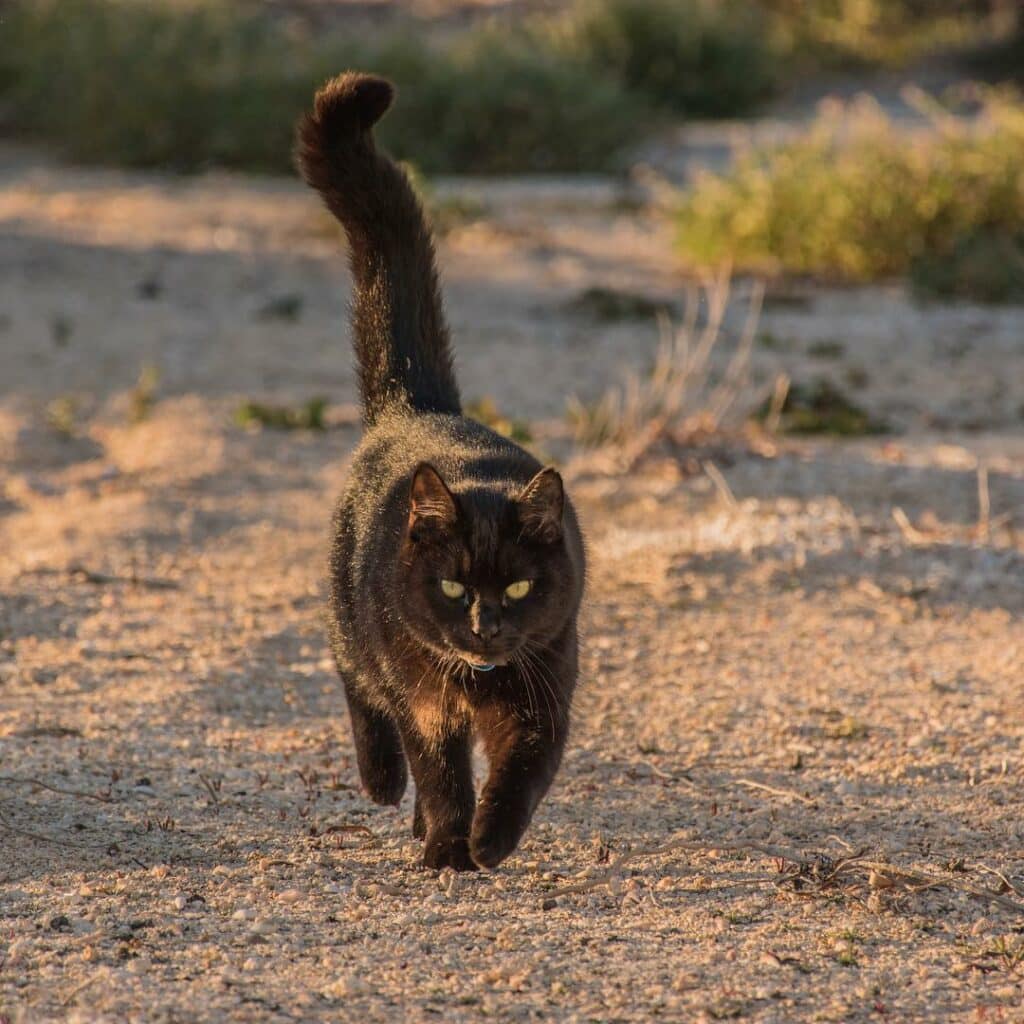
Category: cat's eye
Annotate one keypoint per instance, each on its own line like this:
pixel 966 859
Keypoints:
pixel 518 590
pixel 452 589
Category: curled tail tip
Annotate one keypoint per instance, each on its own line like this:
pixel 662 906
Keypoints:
pixel 344 109
pixel 353 100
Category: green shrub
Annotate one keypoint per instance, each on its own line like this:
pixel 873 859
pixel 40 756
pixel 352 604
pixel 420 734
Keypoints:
pixel 194 85
pixel 151 85
pixel 856 198
pixel 688 56
pixel 497 103
pixel 986 265
pixel 854 34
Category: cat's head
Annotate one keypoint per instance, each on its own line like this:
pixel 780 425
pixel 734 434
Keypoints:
pixel 485 573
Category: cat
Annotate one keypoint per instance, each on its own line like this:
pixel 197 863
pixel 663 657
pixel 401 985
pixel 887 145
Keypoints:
pixel 457 564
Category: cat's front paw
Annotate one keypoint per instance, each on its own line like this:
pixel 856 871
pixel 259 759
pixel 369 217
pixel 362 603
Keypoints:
pixel 446 851
pixel 493 838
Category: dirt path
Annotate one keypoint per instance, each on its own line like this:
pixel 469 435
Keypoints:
pixel 780 681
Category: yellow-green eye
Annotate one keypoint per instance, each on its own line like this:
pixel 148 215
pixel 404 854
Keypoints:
pixel 518 590
pixel 452 589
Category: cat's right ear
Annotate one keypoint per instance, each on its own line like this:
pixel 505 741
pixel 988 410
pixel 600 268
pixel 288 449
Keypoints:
pixel 432 507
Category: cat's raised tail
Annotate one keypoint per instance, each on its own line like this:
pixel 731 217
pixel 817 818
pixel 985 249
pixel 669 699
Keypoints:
pixel 398 324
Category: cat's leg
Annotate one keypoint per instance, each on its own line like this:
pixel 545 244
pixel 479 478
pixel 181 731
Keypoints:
pixel 378 748
pixel 524 756
pixel 442 770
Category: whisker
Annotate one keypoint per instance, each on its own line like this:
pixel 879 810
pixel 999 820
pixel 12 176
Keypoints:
pixel 520 663
pixel 537 671
pixel 546 673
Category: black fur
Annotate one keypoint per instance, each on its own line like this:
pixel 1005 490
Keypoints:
pixel 435 496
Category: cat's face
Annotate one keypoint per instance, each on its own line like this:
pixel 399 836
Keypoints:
pixel 487 578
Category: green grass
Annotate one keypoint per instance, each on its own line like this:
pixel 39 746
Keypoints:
pixel 190 86
pixel 857 199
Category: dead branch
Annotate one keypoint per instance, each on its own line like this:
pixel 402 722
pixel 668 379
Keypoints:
pixel 805 868
pixel 984 504
pixel 25 781
pixel 721 484
pixel 86 575
pixel 788 793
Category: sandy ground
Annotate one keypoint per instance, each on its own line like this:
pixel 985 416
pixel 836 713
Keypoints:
pixel 820 708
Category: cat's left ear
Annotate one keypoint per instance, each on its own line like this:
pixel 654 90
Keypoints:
pixel 432 507
pixel 541 505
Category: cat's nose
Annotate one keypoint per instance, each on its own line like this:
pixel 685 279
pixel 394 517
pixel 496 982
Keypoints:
pixel 486 623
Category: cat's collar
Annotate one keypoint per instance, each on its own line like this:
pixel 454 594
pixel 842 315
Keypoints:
pixel 484 667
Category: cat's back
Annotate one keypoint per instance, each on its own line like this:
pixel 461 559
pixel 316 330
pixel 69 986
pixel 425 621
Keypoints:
pixel 463 451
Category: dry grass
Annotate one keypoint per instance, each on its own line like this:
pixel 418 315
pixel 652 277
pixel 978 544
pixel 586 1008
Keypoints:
pixel 687 395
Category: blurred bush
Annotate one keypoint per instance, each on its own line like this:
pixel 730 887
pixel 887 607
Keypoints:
pixel 858 199
pixel 496 102
pixel 187 84
pixel 194 85
pixel 689 56
pixel 854 34
pixel 151 85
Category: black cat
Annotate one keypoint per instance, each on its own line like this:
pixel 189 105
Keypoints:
pixel 457 565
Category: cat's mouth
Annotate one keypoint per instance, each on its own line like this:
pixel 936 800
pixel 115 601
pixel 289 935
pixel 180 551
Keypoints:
pixel 481 663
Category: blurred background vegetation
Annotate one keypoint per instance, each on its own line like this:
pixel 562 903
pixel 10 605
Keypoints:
pixel 187 85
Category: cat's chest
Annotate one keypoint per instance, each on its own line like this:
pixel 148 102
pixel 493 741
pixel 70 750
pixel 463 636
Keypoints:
pixel 438 706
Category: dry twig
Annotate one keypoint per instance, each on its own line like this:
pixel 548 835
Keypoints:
pixel 25 781
pixel 788 793
pixel 805 869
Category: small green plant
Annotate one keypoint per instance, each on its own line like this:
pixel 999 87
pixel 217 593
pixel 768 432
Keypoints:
pixel 609 305
pixel 143 395
pixel 774 343
pixel 857 199
pixel 857 377
pixel 308 416
pixel 827 348
pixel 62 416
pixel 1007 950
pixel 287 307
pixel 485 410
pixel 61 329
pixel 821 407
pixel 847 728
